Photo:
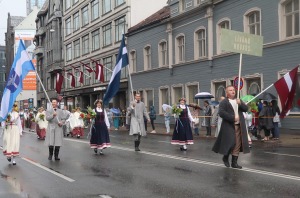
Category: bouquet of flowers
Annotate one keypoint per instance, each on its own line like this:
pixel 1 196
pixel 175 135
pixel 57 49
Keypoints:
pixel 31 117
pixel 82 115
pixel 42 117
pixel 90 113
pixel 176 110
pixel 7 120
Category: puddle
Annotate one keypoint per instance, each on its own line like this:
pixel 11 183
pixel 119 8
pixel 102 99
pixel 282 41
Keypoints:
pixel 15 185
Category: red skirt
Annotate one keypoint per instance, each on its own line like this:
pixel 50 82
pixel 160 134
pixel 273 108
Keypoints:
pixel 77 131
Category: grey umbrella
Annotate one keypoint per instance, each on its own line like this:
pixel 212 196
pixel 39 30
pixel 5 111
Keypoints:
pixel 266 96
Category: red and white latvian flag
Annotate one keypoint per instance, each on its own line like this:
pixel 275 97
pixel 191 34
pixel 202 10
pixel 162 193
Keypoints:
pixel 87 67
pixel 99 72
pixel 59 82
pixel 72 79
pixel 81 77
pixel 286 88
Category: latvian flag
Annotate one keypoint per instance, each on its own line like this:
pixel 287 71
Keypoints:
pixel 286 88
pixel 59 82
pixel 99 72
pixel 72 79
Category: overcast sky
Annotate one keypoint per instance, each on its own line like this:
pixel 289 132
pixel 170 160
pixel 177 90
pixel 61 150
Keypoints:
pixel 15 8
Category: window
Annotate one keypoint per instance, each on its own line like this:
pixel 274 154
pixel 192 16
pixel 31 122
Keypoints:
pixel 179 50
pixel 76 48
pixel 107 35
pixel 95 40
pixel 68 79
pixel 147 57
pixel 77 76
pixel 85 15
pixel 163 97
pixel 119 2
pixel 222 24
pixel 68 4
pixel 48 83
pixel 107 62
pixel 75 1
pixel 192 90
pixel 69 52
pixel 86 77
pixel 120 29
pixel 68 26
pixel 132 60
pixel 177 92
pixel 253 85
pixel 163 53
pixel 76 21
pixel 291 18
pixel 149 99
pixel 252 21
pixel 85 44
pixel 220 89
pixel 95 9
pixel 106 6
pixel 200 43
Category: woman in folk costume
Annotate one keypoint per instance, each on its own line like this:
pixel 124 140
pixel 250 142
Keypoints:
pixel 12 132
pixel 182 134
pixel 99 130
pixel 76 123
pixel 42 123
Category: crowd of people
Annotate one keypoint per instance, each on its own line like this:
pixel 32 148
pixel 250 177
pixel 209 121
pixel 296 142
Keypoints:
pixel 233 120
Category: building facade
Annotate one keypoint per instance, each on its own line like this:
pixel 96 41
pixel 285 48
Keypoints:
pixel 49 51
pixel 2 71
pixel 181 55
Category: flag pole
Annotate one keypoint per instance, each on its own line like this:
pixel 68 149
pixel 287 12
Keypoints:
pixel 260 93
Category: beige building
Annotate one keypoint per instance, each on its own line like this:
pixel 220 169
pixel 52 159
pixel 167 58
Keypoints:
pixel 92 30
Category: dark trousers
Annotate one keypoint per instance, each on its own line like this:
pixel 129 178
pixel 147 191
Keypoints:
pixel 145 123
pixel 152 124
pixel 208 131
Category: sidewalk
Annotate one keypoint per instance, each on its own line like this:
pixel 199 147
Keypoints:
pixel 288 137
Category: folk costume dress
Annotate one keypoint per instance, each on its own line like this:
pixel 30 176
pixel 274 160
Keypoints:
pixel 182 134
pixel 99 130
pixel 11 138
pixel 42 125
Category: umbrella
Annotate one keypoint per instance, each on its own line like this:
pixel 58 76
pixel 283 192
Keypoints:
pixel 266 96
pixel 213 103
pixel 165 106
pixel 203 95
pixel 115 111
pixel 247 98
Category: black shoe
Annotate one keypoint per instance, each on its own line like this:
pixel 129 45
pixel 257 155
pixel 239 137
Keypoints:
pixel 50 152
pixel 78 136
pixel 234 163
pixel 101 153
pixel 9 159
pixel 95 150
pixel 56 152
pixel 225 160
pixel 136 145
pixel 14 163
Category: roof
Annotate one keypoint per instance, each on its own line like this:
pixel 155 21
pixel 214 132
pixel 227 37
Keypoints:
pixel 29 22
pixel 44 9
pixel 16 20
pixel 157 17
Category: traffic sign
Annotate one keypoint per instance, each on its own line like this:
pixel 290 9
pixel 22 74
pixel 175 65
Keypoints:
pixel 236 82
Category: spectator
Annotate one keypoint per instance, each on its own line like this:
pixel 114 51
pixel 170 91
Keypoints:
pixel 207 119
pixel 167 116
pixel 152 115
pixel 266 120
pixel 276 119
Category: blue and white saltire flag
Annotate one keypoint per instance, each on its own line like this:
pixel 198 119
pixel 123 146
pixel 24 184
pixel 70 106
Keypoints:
pixel 14 85
pixel 114 83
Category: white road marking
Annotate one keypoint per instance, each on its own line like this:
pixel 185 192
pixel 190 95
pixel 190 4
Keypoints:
pixel 291 177
pixel 48 170
pixel 283 154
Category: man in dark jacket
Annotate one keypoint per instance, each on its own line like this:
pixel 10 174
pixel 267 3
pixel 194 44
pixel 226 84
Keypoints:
pixel 233 137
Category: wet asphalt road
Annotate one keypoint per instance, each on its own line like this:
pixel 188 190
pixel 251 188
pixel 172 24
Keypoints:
pixel 160 170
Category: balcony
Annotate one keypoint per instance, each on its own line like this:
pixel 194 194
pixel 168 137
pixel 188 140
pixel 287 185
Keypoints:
pixel 41 31
pixel 39 51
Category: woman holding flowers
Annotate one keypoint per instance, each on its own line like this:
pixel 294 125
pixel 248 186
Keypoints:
pixel 12 132
pixel 99 130
pixel 182 134
pixel 42 123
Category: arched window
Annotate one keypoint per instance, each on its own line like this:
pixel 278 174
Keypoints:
pixel 200 41
pixel 222 24
pixel 180 49
pixel 147 57
pixel 252 21
pixel 162 53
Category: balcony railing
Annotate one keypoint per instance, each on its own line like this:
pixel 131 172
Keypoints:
pixel 39 51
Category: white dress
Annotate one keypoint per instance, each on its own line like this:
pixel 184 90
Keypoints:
pixel 12 132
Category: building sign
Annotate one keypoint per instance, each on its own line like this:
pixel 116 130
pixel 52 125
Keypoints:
pixel 243 43
pixel 99 88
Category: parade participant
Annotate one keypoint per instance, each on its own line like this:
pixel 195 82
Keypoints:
pixel 22 117
pixel 76 123
pixel 207 119
pixel 182 134
pixel 128 118
pixel 54 134
pixel 12 132
pixel 216 119
pixel 66 126
pixel 99 130
pixel 195 113
pixel 137 126
pixel 232 137
pixel 42 123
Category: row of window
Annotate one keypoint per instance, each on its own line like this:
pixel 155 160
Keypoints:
pixel 252 25
pixel 92 42
pixel 82 17
pixel 106 4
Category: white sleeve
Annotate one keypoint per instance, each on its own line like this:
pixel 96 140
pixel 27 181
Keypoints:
pixel 19 124
pixel 106 119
